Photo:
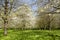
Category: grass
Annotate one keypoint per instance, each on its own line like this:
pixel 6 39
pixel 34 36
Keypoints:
pixel 31 35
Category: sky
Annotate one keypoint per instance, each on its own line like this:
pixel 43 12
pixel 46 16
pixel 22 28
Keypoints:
pixel 34 7
pixel 30 2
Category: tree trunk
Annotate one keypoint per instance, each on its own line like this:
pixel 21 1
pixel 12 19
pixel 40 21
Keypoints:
pixel 5 28
pixel 5 17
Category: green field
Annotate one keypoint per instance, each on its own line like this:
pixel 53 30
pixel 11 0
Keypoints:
pixel 31 35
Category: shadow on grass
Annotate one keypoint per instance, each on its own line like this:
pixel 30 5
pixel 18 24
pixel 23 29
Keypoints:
pixel 54 36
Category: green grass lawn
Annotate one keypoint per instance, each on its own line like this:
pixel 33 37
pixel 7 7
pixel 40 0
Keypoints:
pixel 31 35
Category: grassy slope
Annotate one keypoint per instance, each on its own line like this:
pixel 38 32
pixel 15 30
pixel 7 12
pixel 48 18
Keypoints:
pixel 31 35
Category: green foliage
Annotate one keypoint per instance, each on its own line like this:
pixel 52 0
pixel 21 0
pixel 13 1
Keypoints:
pixel 31 35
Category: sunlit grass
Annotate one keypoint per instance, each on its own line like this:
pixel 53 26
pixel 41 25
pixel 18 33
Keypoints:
pixel 31 35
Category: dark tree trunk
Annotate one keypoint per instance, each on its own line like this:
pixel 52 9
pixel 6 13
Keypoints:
pixel 49 27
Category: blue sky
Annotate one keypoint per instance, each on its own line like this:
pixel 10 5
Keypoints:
pixel 29 2
pixel 35 6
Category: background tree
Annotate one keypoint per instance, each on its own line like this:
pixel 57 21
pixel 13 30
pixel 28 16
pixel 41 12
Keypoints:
pixel 21 19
